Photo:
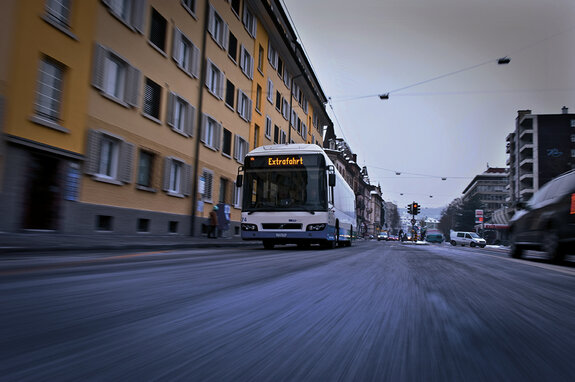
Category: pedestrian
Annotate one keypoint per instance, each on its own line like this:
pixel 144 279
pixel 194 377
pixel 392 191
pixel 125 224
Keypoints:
pixel 213 229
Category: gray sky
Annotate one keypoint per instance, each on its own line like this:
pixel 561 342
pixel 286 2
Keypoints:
pixel 451 127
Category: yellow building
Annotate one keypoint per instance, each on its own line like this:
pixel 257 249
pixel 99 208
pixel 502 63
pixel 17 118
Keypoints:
pixel 133 116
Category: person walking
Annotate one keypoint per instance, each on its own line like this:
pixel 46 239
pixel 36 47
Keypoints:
pixel 213 229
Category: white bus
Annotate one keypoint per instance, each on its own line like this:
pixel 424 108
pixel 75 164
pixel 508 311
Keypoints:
pixel 292 194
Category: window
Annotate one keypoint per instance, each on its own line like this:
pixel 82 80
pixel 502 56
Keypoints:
pixel 223 190
pixel 190 6
pixel 247 63
pixel 104 223
pixel 572 153
pixel 58 11
pixel 218 28
pixel 130 12
pixel 230 93
pixel 280 67
pixel 278 101
pixel 241 148
pixel 285 109
pixel 208 185
pixel 244 106
pixel 268 131
pixel 233 47
pixel 215 80
pixel 276 134
pixel 173 227
pixel 237 196
pixel 303 130
pixel 181 115
pixel 572 137
pixel 287 79
pixel 227 143
pixel 249 22
pixel 143 225
pixel 114 77
pixel 211 131
pixel 49 91
pixel 186 54
pixel 177 175
pixel 109 158
pixel 270 91
pixel 145 169
pixel 158 30
pixel 236 7
pixel 152 99
pixel 573 123
pixel 261 59
pixel 284 137
pixel 256 135
pixel 272 55
pixel 259 98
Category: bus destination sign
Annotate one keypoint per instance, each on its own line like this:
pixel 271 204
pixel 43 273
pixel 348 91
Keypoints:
pixel 285 161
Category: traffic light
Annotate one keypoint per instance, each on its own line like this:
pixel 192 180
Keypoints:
pixel 410 209
pixel 416 208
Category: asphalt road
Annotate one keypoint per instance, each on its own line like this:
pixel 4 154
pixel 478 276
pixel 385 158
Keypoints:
pixel 377 311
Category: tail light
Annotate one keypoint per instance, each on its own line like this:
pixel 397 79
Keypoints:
pixel 572 212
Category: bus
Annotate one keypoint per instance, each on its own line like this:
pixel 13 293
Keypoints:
pixel 293 194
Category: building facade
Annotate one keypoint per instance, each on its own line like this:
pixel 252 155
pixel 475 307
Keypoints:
pixel 133 116
pixel 490 189
pixel 541 147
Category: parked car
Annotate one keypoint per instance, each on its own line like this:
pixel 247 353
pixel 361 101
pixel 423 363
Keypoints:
pixel 382 236
pixel 467 238
pixel 547 221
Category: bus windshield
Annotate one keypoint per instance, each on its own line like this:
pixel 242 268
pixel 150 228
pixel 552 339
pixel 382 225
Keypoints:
pixel 299 187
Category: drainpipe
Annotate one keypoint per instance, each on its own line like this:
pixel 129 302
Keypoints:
pixel 199 119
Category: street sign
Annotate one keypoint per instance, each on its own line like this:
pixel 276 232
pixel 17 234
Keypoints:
pixel 413 221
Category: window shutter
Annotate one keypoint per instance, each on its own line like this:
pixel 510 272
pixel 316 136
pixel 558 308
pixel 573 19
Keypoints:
pixel 221 85
pixel 209 69
pixel 190 117
pixel 251 69
pixel 92 152
pixel 170 111
pixel 225 33
pixel 132 86
pixel 138 8
pixel 240 102
pixel 204 128
pixel 211 20
pixel 166 180
pixel 186 179
pixel 249 111
pixel 195 61
pixel 236 146
pixel 175 45
pixel 217 136
pixel 126 162
pixel 98 67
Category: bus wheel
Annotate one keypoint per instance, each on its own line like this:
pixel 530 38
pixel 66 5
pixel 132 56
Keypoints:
pixel 268 244
pixel 328 244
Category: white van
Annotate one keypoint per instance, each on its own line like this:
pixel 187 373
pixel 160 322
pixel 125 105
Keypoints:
pixel 466 238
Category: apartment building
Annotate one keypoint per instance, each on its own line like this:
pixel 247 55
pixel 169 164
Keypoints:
pixel 541 147
pixel 490 188
pixel 132 116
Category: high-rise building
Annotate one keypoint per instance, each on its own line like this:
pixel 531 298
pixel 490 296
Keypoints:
pixel 541 147
pixel 133 116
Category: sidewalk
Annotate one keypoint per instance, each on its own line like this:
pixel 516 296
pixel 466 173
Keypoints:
pixel 39 242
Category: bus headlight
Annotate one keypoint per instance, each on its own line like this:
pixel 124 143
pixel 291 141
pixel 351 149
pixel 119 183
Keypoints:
pixel 315 227
pixel 249 227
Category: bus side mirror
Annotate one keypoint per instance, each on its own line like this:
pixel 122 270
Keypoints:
pixel 332 180
pixel 239 180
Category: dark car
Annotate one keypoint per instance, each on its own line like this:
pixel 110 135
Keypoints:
pixel 547 221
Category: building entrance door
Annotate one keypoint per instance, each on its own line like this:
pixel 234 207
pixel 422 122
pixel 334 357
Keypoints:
pixel 43 193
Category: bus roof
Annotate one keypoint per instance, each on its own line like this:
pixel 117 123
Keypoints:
pixel 294 148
